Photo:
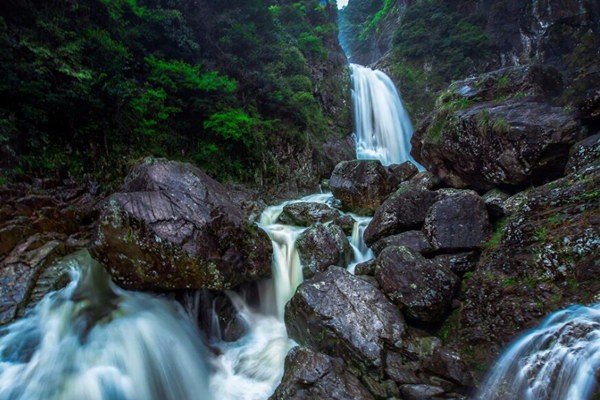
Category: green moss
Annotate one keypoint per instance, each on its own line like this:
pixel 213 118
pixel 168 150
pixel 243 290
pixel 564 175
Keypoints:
pixel 496 238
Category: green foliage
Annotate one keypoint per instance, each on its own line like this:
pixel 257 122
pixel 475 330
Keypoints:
pixel 451 45
pixel 122 79
pixel 496 238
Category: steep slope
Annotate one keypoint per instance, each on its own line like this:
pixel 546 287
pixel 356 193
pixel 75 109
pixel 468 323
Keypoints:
pixel 237 87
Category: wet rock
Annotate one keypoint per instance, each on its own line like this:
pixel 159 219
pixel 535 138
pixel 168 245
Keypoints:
pixel 420 391
pixel 306 214
pixel 321 246
pixel 310 375
pixel 459 263
pixel 20 271
pixel 343 316
pixel 457 222
pixel 398 173
pixel 346 222
pixel 494 202
pixel 472 141
pixel 361 185
pixel 584 153
pixel 449 365
pixel 404 210
pixel 365 268
pixel 424 180
pixel 415 240
pixel 174 227
pixel 422 288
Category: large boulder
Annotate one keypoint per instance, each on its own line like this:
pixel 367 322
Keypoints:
pixel 457 222
pixel 344 316
pixel 404 210
pixel 498 129
pixel 174 227
pixel 321 246
pixel 361 185
pixel 309 375
pixel 422 288
pixel 307 213
pixel 415 240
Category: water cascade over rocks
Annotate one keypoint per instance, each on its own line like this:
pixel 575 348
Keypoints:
pixel 383 127
pixel 95 341
pixel 559 360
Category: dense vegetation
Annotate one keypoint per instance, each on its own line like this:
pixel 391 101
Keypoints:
pixel 434 43
pixel 88 86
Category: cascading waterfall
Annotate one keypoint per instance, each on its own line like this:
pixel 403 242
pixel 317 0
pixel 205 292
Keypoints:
pixel 559 360
pixel 383 127
pixel 93 341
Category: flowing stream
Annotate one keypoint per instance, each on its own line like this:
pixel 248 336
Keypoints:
pixel 559 360
pixel 383 127
pixel 93 340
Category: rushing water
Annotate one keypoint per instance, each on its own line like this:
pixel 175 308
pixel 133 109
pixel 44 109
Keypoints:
pixel 383 127
pixel 559 360
pixel 93 340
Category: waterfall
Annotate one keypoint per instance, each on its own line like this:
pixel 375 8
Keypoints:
pixel 251 368
pixel 559 360
pixel 93 340
pixel 383 127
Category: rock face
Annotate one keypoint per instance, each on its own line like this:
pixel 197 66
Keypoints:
pixel 361 185
pixel 473 140
pixel 39 224
pixel 306 214
pixel 457 222
pixel 173 227
pixel 423 289
pixel 543 258
pixel 343 316
pixel 321 246
pixel 309 375
pixel 405 209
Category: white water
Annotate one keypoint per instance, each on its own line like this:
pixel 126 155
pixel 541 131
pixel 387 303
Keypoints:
pixel 252 367
pixel 557 361
pixel 93 341
pixel 383 127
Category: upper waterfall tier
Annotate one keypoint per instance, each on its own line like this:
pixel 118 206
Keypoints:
pixel 383 127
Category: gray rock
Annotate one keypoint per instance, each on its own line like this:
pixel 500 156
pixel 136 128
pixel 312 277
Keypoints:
pixel 309 375
pixel 343 316
pixel 415 240
pixel 494 202
pixel 306 214
pixel 449 365
pixel 457 222
pixel 404 210
pixel 422 288
pixel 485 145
pixel 459 263
pixel 361 185
pixel 420 392
pixel 174 227
pixel 584 153
pixel 398 173
pixel 321 246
